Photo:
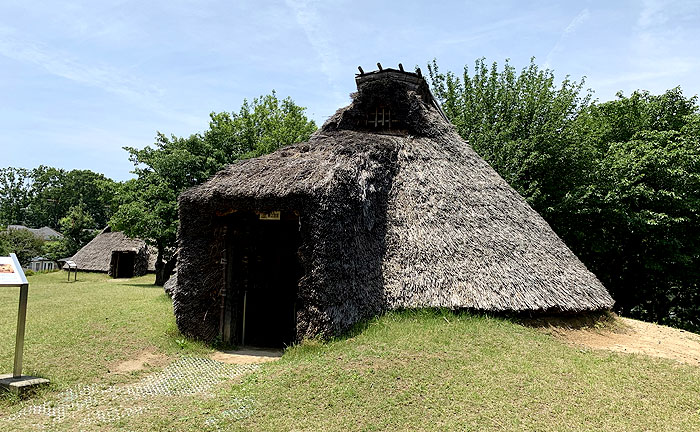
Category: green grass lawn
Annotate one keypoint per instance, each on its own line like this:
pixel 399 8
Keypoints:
pixel 76 330
pixel 422 370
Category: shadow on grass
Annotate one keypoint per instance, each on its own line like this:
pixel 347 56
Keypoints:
pixel 142 285
pixel 413 314
pixel 587 320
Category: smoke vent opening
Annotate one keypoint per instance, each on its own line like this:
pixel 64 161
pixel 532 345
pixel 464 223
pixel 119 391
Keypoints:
pixel 381 118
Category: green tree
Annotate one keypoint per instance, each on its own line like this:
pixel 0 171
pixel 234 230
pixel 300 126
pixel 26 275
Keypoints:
pixel 49 197
pixel 21 242
pixel 618 181
pixel 148 204
pixel 55 191
pixel 15 195
pixel 635 222
pixel 58 249
pixel 78 228
pixel 4 244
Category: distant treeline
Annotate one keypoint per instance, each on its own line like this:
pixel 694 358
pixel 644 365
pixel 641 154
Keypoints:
pixel 76 203
pixel 619 181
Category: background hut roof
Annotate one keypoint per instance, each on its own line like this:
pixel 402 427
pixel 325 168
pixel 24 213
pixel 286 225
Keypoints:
pixel 45 233
pixel 97 254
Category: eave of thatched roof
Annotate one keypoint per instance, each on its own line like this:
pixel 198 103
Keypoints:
pixel 299 170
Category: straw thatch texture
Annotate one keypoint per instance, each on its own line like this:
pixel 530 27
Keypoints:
pixel 407 217
pixel 460 236
pixel 97 254
pixel 340 194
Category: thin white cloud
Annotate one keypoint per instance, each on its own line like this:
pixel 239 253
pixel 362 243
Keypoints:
pixel 104 77
pixel 658 53
pixel 306 13
pixel 576 22
pixel 653 13
pixel 641 79
pixel 570 29
pixel 487 31
pixel 308 18
pixel 62 65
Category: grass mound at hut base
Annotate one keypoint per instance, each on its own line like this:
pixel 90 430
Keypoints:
pixel 440 371
pixel 415 370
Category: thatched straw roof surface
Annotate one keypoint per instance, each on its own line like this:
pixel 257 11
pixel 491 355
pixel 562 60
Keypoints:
pixel 97 254
pixel 395 218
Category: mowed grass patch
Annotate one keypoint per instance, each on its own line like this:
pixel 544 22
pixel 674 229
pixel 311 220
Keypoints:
pixel 435 370
pixel 77 331
pixel 432 370
pixel 411 370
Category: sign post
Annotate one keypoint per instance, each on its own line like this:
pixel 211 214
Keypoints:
pixel 71 266
pixel 12 275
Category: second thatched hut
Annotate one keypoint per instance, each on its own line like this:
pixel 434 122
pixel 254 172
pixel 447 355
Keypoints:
pixel 114 253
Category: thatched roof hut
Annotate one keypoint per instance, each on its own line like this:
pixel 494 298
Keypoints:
pixel 116 254
pixel 385 207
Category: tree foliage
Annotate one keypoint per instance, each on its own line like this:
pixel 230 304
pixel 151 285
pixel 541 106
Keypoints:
pixel 618 181
pixel 43 195
pixel 148 204
pixel 78 228
pixel 21 242
pixel 643 203
pixel 15 195
pixel 55 191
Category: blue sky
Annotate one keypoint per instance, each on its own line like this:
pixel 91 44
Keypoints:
pixel 81 79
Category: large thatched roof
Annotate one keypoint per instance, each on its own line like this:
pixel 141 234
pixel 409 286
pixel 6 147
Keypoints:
pixel 397 217
pixel 97 254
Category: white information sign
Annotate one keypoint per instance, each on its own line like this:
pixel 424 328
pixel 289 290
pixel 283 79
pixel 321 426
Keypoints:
pixel 10 273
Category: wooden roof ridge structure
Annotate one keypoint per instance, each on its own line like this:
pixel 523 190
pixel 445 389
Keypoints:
pixel 395 211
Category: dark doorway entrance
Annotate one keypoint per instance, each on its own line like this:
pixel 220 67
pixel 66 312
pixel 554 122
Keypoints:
pixel 123 264
pixel 263 274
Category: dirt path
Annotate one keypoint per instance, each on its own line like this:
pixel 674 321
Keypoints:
pixel 638 337
pixel 142 361
pixel 247 356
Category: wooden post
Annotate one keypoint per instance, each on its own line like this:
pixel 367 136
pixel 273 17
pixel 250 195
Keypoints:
pixel 245 301
pixel 21 321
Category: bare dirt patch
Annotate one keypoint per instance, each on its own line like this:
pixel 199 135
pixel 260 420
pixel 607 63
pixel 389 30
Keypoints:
pixel 637 337
pixel 142 361
pixel 247 356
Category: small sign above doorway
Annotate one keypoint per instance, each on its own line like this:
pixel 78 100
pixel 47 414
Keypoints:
pixel 273 215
